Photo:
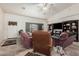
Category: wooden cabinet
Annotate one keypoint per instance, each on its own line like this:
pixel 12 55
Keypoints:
pixel 72 27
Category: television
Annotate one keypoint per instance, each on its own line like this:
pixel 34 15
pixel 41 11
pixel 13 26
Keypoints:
pixel 57 26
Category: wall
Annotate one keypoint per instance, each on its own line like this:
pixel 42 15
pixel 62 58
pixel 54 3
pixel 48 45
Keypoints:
pixel 1 25
pixel 21 20
pixel 71 13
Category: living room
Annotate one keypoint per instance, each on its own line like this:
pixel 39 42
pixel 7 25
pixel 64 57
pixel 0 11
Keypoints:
pixel 35 19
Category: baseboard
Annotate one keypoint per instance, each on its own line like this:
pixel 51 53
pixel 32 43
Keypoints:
pixel 13 38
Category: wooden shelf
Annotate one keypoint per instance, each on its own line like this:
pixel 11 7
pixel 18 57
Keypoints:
pixel 69 26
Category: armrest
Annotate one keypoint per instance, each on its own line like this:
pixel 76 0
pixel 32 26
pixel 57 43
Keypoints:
pixel 49 46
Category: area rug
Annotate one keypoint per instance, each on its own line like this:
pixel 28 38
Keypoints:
pixel 9 42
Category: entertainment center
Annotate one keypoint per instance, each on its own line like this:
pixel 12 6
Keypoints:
pixel 72 27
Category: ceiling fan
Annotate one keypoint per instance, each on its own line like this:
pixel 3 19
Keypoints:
pixel 44 6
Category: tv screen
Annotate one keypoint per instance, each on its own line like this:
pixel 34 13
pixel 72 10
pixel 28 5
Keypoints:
pixel 57 26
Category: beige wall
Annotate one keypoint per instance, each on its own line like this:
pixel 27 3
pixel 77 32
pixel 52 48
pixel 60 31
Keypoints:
pixel 12 31
pixel 1 25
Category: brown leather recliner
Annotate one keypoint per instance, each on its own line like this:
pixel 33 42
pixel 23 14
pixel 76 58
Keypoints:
pixel 42 42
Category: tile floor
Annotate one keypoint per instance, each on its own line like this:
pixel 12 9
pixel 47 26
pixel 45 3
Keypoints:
pixel 18 50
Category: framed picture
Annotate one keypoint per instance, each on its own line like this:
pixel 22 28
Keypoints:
pixel 12 23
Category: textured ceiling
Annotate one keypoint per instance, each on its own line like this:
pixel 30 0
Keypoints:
pixel 34 9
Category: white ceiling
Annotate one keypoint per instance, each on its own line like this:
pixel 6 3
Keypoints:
pixel 34 9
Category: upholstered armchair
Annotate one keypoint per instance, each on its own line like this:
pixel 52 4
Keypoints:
pixel 26 40
pixel 65 40
pixel 42 42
